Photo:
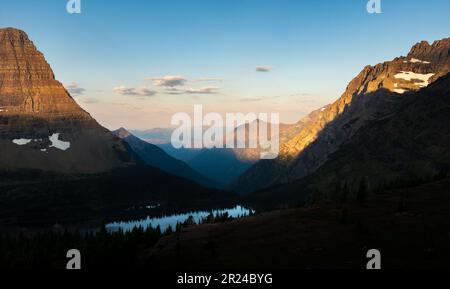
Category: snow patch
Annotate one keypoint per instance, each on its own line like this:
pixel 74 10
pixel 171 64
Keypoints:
pixel 409 75
pixel 21 141
pixel 56 143
pixel 414 60
pixel 400 91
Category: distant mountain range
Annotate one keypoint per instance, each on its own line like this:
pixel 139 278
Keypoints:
pixel 220 165
pixel 155 136
pixel 156 157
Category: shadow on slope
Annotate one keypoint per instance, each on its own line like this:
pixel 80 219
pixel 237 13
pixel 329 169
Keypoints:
pixel 407 147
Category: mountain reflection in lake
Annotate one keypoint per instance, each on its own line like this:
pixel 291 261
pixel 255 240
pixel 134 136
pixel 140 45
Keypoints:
pixel 172 220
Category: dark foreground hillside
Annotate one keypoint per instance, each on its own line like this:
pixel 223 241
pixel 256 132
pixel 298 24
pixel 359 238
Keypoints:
pixel 36 198
pixel 410 226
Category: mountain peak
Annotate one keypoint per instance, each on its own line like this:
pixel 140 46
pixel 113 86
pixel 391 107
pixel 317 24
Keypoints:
pixel 122 133
pixel 28 85
pixel 40 123
pixel 436 52
pixel 12 31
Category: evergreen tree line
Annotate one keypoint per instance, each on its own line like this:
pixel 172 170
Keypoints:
pixel 100 249
pixel 359 190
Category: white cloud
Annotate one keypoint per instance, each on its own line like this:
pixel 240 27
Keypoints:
pixel 264 68
pixel 208 79
pixel 168 81
pixel 131 91
pixel 74 89
pixel 89 100
pixel 203 90
pixel 173 91
pixel 256 99
pixel 251 99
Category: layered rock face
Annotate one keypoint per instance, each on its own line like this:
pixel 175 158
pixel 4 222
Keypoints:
pixel 373 95
pixel 41 126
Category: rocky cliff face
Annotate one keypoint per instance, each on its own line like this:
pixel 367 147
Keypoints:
pixel 405 149
pixel 41 126
pixel 374 94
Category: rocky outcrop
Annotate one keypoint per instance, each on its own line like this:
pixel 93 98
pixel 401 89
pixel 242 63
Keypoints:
pixel 41 126
pixel 435 53
pixel 374 94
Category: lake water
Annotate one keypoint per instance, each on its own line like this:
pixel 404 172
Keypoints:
pixel 172 220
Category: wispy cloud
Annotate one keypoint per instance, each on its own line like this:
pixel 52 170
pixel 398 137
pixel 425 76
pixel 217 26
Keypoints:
pixel 89 100
pixel 168 81
pixel 302 94
pixel 131 91
pixel 172 85
pixel 203 90
pixel 256 99
pixel 173 91
pixel 264 68
pixel 74 89
pixel 208 79
pixel 251 99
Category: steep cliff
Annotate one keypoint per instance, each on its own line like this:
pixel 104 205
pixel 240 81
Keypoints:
pixel 41 126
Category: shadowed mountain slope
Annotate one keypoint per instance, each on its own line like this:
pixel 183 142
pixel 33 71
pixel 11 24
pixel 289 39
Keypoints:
pixel 375 94
pixel 409 147
pixel 156 157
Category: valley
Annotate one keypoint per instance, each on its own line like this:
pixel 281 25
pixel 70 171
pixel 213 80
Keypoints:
pixel 369 170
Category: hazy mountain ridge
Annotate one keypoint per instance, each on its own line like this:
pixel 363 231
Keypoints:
pixel 223 165
pixel 156 157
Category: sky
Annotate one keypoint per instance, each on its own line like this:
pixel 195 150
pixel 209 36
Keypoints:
pixel 135 63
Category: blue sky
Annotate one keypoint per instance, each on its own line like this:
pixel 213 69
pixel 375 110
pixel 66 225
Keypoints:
pixel 121 52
